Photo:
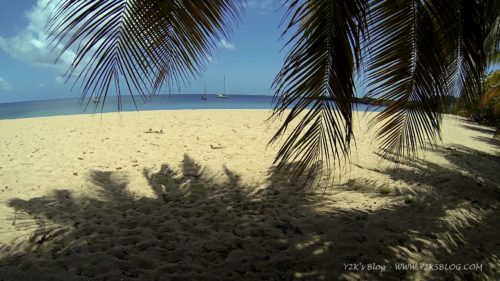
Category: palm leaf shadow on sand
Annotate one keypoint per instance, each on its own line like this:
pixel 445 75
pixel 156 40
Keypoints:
pixel 203 226
pixel 478 128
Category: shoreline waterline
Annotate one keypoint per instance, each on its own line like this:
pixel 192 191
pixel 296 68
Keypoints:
pixel 75 106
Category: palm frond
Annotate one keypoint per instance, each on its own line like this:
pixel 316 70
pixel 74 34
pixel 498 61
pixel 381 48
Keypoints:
pixel 492 43
pixel 419 52
pixel 139 45
pixel 467 30
pixel 492 26
pixel 316 83
pixel 408 66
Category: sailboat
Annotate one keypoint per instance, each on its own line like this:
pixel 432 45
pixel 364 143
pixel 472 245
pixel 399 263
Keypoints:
pixel 223 95
pixel 204 96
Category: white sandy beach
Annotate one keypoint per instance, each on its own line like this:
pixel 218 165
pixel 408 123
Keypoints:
pixel 105 198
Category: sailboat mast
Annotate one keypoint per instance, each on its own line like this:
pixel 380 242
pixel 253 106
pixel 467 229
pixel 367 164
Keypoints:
pixel 224 84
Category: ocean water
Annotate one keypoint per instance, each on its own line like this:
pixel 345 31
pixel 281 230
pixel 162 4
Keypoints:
pixel 29 109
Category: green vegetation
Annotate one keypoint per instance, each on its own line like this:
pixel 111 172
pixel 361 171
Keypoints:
pixel 385 190
pixel 485 109
pixel 489 103
pixel 409 199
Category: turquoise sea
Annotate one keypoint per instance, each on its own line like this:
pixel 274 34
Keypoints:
pixel 29 109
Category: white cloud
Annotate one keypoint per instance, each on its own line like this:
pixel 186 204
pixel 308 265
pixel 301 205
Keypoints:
pixel 4 85
pixel 31 44
pixel 263 7
pixel 223 43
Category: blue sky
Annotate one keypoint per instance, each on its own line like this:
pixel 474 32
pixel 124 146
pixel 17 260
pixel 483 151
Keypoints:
pixel 250 58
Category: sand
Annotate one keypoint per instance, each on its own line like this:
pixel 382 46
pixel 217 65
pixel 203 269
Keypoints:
pixel 188 195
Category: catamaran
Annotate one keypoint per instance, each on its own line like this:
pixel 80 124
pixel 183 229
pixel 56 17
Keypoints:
pixel 223 95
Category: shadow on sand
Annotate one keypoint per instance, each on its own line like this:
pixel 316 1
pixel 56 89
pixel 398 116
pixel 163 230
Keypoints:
pixel 200 227
pixel 489 140
pixel 470 125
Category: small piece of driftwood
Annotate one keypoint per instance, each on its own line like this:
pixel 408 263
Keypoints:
pixel 150 131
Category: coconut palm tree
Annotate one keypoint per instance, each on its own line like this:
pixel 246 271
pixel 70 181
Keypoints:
pixel 412 53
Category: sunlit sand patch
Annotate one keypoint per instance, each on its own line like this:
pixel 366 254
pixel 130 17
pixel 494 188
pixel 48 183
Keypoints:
pixel 110 201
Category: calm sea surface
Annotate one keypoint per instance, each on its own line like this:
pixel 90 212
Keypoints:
pixel 73 106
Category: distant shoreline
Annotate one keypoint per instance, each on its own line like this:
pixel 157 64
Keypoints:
pixel 74 106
